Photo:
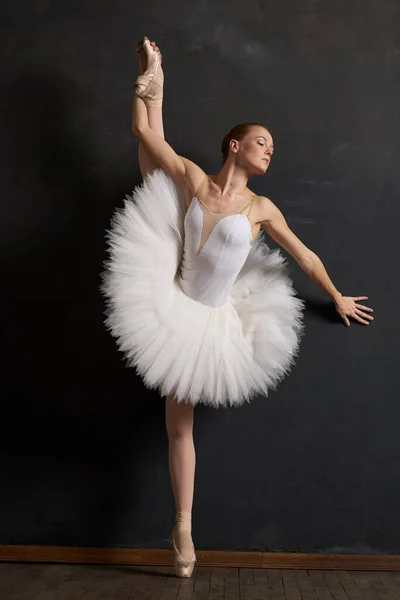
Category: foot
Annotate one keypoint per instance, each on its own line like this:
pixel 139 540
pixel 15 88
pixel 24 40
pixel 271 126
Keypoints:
pixel 184 558
pixel 143 58
pixel 149 85
pixel 183 542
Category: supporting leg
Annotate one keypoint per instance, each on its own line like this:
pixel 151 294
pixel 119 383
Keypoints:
pixel 182 463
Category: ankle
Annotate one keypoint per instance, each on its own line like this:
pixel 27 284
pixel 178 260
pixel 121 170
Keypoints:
pixel 183 520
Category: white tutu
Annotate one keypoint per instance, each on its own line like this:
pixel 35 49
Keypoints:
pixel 220 356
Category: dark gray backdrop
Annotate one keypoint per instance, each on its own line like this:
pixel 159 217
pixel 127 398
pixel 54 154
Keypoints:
pixel 316 465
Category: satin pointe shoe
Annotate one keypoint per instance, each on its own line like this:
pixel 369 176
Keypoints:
pixel 141 52
pixel 142 58
pixel 183 568
pixel 149 85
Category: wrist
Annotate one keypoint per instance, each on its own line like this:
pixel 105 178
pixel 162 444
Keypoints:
pixel 336 296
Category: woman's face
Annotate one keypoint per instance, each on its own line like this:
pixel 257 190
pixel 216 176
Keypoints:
pixel 254 151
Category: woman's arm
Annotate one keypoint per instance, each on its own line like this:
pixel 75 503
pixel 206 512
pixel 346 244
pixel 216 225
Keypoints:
pixel 274 223
pixel 159 150
pixel 276 226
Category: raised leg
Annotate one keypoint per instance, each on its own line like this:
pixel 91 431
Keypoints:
pixel 155 121
pixel 146 116
pixel 146 163
pixel 182 463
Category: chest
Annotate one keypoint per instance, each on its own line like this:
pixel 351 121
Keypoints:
pixel 215 233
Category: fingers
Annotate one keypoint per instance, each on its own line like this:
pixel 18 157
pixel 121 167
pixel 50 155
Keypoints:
pixel 359 312
pixel 155 47
pixel 359 316
pixel 364 307
pixel 346 320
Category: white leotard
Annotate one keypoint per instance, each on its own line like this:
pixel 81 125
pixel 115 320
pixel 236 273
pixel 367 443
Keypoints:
pixel 216 246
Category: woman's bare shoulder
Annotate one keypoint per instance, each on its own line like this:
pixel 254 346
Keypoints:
pixel 264 209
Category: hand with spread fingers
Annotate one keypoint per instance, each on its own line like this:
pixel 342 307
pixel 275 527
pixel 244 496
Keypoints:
pixel 347 306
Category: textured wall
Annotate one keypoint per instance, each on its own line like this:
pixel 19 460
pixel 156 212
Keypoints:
pixel 315 466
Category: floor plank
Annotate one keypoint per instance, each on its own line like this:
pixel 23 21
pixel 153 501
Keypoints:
pixel 28 581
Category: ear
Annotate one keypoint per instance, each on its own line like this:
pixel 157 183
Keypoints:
pixel 234 145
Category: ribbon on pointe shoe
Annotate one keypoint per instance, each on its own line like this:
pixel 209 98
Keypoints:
pixel 182 534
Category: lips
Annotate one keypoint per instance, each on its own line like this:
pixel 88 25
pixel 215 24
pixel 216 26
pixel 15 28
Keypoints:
pixel 266 161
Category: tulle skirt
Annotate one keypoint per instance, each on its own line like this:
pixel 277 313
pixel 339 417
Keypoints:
pixel 219 356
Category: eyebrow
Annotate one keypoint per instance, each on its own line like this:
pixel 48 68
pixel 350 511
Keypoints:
pixel 272 146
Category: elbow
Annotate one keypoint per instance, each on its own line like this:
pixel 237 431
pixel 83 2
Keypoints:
pixel 307 262
pixel 136 130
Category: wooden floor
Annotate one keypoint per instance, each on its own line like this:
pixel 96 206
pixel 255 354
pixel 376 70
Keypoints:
pixel 25 581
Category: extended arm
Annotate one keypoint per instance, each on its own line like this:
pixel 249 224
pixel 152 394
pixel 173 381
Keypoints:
pixel 276 226
pixel 182 170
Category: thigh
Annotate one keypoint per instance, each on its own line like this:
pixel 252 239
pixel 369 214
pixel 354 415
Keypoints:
pixel 179 417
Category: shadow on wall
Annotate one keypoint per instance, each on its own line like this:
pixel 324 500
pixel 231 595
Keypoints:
pixel 75 420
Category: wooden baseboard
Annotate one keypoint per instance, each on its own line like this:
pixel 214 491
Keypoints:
pixel 205 558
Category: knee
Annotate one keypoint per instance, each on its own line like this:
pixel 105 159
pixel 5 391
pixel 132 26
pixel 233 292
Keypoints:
pixel 179 431
pixel 139 128
pixel 179 420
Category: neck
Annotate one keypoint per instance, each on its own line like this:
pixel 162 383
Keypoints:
pixel 231 179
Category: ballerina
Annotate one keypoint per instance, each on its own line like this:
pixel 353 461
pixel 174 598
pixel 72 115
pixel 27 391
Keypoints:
pixel 200 305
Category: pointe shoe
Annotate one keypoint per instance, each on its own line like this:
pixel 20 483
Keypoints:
pixel 142 54
pixel 149 85
pixel 142 58
pixel 183 568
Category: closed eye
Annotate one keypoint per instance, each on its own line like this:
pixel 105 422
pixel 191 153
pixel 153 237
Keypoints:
pixel 262 144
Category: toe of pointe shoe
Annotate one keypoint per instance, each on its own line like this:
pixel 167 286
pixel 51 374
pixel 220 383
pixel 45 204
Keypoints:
pixel 150 52
pixel 183 568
